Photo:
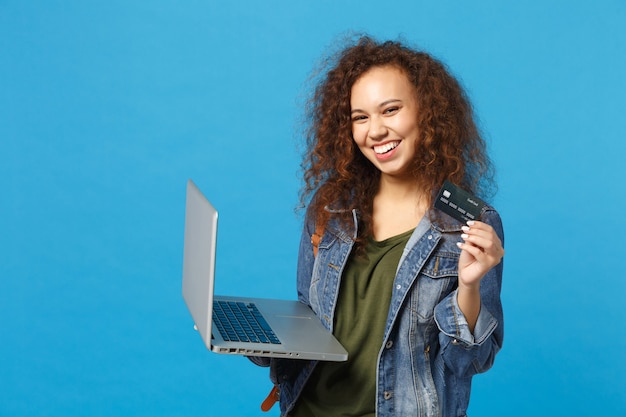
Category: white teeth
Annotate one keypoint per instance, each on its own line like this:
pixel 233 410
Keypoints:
pixel 381 149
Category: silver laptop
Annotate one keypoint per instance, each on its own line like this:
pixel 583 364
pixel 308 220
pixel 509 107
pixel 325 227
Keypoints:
pixel 237 325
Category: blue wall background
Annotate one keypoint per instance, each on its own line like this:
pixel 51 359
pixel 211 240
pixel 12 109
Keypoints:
pixel 106 108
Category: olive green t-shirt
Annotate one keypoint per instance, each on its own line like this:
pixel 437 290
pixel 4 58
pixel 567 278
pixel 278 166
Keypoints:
pixel 349 388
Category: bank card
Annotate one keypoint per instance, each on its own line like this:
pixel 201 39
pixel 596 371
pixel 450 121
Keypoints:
pixel 458 203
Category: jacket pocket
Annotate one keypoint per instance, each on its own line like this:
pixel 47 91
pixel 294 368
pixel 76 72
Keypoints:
pixel 437 279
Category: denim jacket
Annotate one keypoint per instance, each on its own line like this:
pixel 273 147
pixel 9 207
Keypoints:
pixel 428 355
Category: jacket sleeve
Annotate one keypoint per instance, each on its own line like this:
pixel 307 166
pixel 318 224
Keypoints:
pixel 306 259
pixel 465 353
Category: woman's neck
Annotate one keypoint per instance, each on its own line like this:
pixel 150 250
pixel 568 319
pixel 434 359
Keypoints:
pixel 398 188
pixel 399 205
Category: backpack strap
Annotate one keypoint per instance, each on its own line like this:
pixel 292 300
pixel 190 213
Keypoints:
pixel 316 238
pixel 271 399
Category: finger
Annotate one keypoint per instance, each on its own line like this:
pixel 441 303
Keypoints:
pixel 473 250
pixel 478 227
pixel 481 233
pixel 489 243
pixel 487 259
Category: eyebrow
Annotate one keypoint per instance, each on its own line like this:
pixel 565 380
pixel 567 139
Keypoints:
pixel 383 104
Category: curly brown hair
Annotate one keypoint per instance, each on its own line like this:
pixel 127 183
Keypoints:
pixel 336 174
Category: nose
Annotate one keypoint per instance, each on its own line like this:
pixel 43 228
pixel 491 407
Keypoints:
pixel 378 129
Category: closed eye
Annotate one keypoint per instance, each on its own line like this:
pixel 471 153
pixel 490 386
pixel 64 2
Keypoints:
pixel 391 110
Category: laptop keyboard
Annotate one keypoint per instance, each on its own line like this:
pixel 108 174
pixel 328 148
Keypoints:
pixel 242 322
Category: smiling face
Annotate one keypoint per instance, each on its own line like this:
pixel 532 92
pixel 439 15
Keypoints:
pixel 384 119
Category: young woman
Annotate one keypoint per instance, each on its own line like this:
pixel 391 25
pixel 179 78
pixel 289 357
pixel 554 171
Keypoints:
pixel 411 293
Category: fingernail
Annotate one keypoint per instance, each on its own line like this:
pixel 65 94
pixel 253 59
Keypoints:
pixel 464 236
pixel 470 222
pixel 465 228
pixel 459 244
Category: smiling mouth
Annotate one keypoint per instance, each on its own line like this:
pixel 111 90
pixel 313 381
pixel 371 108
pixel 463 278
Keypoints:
pixel 387 147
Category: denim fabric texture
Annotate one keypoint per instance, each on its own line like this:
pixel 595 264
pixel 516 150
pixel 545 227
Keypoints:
pixel 428 355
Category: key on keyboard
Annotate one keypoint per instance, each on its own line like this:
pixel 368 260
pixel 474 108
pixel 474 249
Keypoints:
pixel 241 322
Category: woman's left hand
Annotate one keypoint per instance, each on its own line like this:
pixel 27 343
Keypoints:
pixel 481 250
